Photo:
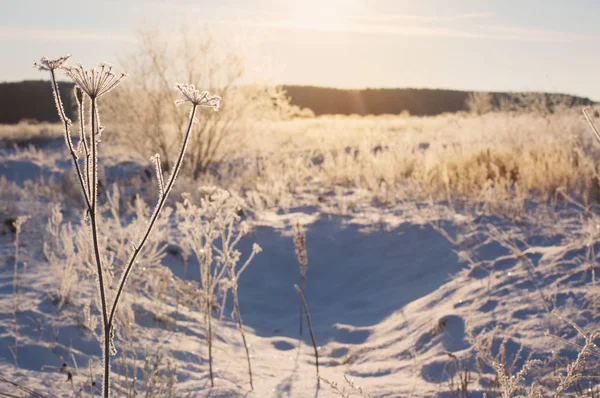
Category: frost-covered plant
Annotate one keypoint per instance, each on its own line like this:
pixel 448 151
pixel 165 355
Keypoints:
pixel 93 84
pixel 59 250
pixel 89 320
pixel 70 253
pixel 17 223
pixel 158 374
pixel 301 255
pixel 511 384
pixel 575 371
pixel 340 390
pixel 459 375
pixel 212 230
pixel 310 329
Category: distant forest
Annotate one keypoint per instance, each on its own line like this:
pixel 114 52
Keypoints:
pixel 322 100
pixel 418 102
pixel 32 100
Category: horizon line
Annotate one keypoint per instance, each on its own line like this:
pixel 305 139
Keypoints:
pixel 365 88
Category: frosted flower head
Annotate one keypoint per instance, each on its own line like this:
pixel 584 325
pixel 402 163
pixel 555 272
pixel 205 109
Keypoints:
pixel 95 82
pixel 256 248
pixel 46 64
pixel 213 194
pixel 197 97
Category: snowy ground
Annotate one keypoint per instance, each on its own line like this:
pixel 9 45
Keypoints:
pixel 395 306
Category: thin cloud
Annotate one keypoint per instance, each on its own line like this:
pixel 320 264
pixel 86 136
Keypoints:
pixel 481 32
pixel 532 34
pixel 424 18
pixel 59 35
pixel 414 31
pixel 454 26
pixel 281 16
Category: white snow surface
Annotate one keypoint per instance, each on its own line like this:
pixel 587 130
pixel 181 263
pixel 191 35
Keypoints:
pixel 392 302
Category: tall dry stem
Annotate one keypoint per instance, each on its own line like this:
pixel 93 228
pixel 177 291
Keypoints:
pixel 310 329
pixel 301 255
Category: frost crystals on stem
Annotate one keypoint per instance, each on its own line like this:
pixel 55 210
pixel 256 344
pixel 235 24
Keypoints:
pixel 159 175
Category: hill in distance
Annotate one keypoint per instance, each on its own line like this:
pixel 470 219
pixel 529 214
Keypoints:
pixel 31 100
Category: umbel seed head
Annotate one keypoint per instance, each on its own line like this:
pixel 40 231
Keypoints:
pixel 46 64
pixel 95 82
pixel 197 97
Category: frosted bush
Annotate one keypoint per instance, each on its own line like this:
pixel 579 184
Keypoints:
pixel 211 231
pixel 59 250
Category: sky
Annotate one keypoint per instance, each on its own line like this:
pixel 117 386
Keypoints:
pixel 504 45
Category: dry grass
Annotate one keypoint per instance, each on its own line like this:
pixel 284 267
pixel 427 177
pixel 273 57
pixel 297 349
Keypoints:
pixel 477 158
pixel 24 131
pixel 462 156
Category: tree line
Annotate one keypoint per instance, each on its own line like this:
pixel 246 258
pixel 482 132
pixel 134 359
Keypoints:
pixel 419 102
pixel 28 100
pixel 31 100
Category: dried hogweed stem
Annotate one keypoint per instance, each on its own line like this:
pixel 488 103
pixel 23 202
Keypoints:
pixel 51 65
pixel 88 183
pixel 78 94
pixel 197 99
